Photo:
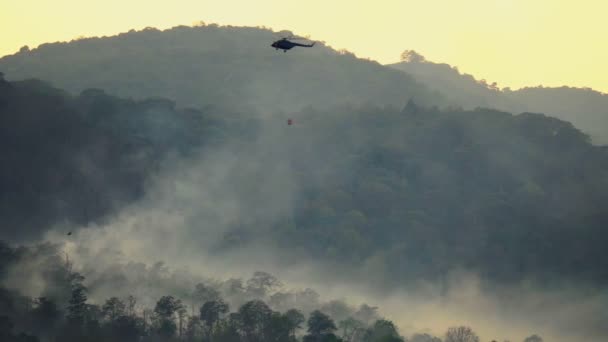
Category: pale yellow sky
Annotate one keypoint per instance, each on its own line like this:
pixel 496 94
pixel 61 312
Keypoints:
pixel 513 42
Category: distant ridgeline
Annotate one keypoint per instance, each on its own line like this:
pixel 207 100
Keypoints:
pixel 211 65
pixel 418 191
pixel 225 65
pixel 585 108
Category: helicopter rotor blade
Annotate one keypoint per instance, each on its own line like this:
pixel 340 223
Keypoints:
pixel 293 37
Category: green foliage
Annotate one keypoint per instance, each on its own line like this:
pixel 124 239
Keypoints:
pixel 225 66
pixel 113 309
pixel 319 326
pixel 80 158
pixel 382 331
pixel 585 108
pixel 254 317
pixel 533 338
pixel 77 308
pixel 461 334
pixel 164 316
pixel 211 312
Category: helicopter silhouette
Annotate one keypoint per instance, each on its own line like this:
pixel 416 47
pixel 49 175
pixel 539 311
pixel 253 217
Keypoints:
pixel 286 44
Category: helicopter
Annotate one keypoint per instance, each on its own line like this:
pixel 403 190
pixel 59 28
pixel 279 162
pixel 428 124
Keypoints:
pixel 286 44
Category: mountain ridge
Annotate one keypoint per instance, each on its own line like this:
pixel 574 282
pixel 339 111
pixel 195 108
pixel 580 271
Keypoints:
pixel 584 107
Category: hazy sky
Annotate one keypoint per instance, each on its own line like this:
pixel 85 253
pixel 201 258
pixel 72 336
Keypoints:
pixel 513 42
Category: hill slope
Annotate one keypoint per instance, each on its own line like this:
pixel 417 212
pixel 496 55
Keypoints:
pixel 392 196
pixel 77 159
pixel 199 66
pixel 585 108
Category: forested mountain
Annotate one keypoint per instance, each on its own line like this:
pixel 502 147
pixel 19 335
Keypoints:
pixel 418 191
pixel 211 65
pixel 78 158
pixel 365 187
pixel 259 308
pixel 390 196
pixel 585 108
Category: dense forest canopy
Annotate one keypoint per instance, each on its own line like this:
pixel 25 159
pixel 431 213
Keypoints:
pixel 585 108
pixel 220 65
pixel 199 66
pixel 418 190
pixel 68 307
pixel 181 155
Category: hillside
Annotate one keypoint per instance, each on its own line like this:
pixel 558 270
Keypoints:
pixel 585 108
pixel 211 65
pixel 78 158
pixel 418 191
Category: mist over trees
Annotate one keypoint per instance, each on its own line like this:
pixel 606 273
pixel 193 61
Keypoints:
pixel 377 183
pixel 79 158
pixel 419 191
pixel 69 314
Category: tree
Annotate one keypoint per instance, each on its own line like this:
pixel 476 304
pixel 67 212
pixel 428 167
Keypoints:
pixel 205 293
pixel 367 314
pixel 228 329
pixel 77 307
pixel 233 287
pixel 412 56
pixel 211 312
pixel 278 329
pixel 113 308
pixel 424 338
pixel 181 318
pixel 295 319
pixel 164 314
pixel 320 328
pixel 337 309
pixel 382 331
pixel 131 302
pixel 461 334
pixel 126 328
pixel 350 327
pixel 261 283
pixel 45 316
pixel 193 329
pixel 253 317
pixel 533 338
pixel 167 306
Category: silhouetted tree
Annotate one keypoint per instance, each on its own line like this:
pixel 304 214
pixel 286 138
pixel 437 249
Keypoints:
pixel 295 319
pixel 321 328
pixel 164 312
pixel 253 317
pixel 211 313
pixel 412 56
pixel 461 334
pixel 424 338
pixel 382 331
pixel 77 308
pixel 113 308
pixel 367 314
pixel 350 327
pixel 45 317
pixel 205 293
pixel 261 283
pixel 533 338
